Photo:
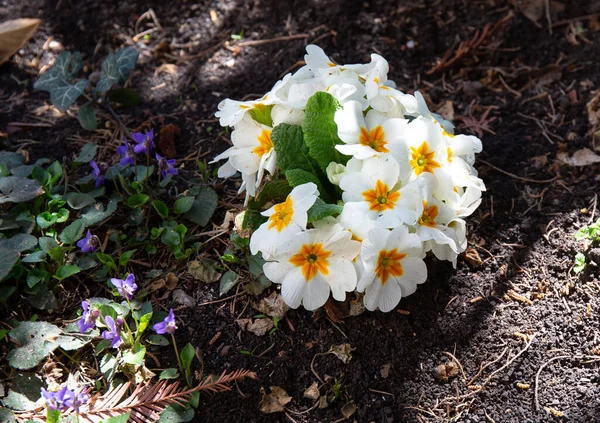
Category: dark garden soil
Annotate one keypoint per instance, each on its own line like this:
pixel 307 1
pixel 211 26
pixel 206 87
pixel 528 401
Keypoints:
pixel 510 307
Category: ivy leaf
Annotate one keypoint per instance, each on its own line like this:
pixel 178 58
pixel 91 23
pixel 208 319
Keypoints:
pixel 36 339
pixel 65 68
pixel 116 68
pixel 65 95
pixel 16 189
pixel 320 130
pixel 203 206
pixel 321 210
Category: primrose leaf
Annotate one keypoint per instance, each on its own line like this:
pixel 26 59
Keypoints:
pixel 292 152
pixel 15 189
pixel 297 177
pixel 321 210
pixel 116 68
pixel 320 130
pixel 274 191
pixel 36 341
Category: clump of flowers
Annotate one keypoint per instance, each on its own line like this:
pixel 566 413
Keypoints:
pixel 375 182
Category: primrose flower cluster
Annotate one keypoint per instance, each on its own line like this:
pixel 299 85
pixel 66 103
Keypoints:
pixel 378 182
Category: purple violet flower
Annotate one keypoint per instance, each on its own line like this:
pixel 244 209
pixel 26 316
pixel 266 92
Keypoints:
pixel 126 287
pixel 88 318
pixel 59 400
pixel 98 174
pixel 112 333
pixel 167 325
pixel 128 154
pixel 80 399
pixel 89 243
pixel 145 142
pixel 166 166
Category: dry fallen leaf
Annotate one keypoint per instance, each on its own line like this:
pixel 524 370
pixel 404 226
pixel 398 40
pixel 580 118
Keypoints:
pixel 172 281
pixel 343 352
pixel 204 270
pixel 472 257
pixel 312 392
pixel 349 409
pixel 583 157
pixel 446 110
pixel 273 306
pixel 14 34
pixel 274 402
pixel 166 140
pixel 258 327
pixel 169 68
pixel 445 372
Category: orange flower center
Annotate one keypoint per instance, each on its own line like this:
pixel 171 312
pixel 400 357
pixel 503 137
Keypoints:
pixel 429 215
pixel 380 198
pixel 374 139
pixel 422 159
pixel 312 258
pixel 282 215
pixel 265 143
pixel 388 264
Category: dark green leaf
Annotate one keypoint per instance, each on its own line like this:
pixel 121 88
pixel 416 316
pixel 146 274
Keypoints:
pixel 96 213
pixel 10 159
pixel 169 374
pixel 137 200
pixel 171 415
pixel 19 242
pixel 292 152
pixel 187 356
pixel 87 116
pixel 79 200
pixel 161 208
pixel 15 189
pixel 297 177
pixel 55 170
pixel 36 341
pixel 73 233
pixel 123 418
pixel 183 204
pixel 203 207
pixel 321 210
pixel 63 71
pixel 116 68
pixel 24 392
pixel 8 258
pixel 87 154
pixel 228 281
pixel 36 257
pixel 46 219
pixel 66 270
pixel 158 340
pixel 125 96
pixel 65 95
pixel 125 257
pixel 47 243
pixel 253 219
pixel 274 191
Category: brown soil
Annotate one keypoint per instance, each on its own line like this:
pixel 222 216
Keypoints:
pixel 529 85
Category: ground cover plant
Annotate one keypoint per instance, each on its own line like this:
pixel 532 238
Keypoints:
pixel 136 279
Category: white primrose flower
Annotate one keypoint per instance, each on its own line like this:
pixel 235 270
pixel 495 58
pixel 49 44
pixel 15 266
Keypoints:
pixel 252 153
pixel 368 136
pixel 378 184
pixel 358 219
pixel 335 171
pixel 285 220
pixel 314 263
pixel 316 58
pixel 423 111
pixel 392 267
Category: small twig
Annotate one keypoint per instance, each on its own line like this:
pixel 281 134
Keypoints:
pixel 459 365
pixel 509 362
pixel 512 175
pixel 537 377
pixel 271 40
pixel 222 299
pixel 312 367
pixel 382 392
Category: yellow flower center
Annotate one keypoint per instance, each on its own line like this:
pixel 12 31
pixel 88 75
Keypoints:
pixel 374 139
pixel 422 159
pixel 265 143
pixel 388 264
pixel 449 155
pixel 282 215
pixel 447 134
pixel 380 198
pixel 429 215
pixel 312 258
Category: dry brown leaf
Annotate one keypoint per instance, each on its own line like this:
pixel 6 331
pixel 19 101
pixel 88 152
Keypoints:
pixel 472 257
pixel 274 402
pixel 539 162
pixel 229 218
pixel 445 372
pixel 172 281
pixel 312 392
pixel 343 352
pixel 583 157
pixel 349 409
pixel 166 140
pixel 156 285
pixel 258 327
pixel 446 110
pixel 14 34
pixel 273 306
pixel 593 110
pixel 169 68
pixel 204 270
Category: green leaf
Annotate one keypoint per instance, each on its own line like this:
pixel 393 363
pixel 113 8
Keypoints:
pixel 161 208
pixel 125 96
pixel 9 159
pixel 78 200
pixel 65 95
pixel 262 114
pixel 321 210
pixel 137 200
pixel 203 207
pixel 187 356
pixel 142 172
pixel 274 191
pixel 87 154
pixel 87 116
pixel 183 204
pixel 7 415
pixel 144 322
pixel 36 257
pixel 46 219
pixel 96 213
pixel 19 242
pixel 66 271
pixel 87 262
pixel 297 177
pixel 125 257
pixel 47 243
pixel 73 233
pixel 253 219
pixel 15 189
pixel 135 357
pixel 65 68
pixel 320 130
pixel 158 340
pixel 108 366
pixel 8 258
pixel 106 260
pixel 116 68
pixel 123 418
pixel 35 276
pixel 36 339
pixel 24 392
pixel 580 264
pixel 170 373
pixel 228 281
pixel 292 152
pixel 62 215
pixel 170 415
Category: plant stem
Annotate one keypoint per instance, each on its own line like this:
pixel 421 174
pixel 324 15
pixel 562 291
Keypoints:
pixel 179 363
